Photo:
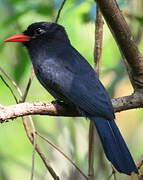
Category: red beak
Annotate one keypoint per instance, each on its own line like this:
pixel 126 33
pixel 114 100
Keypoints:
pixel 18 38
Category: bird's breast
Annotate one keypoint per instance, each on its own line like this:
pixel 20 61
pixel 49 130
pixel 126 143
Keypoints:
pixel 49 73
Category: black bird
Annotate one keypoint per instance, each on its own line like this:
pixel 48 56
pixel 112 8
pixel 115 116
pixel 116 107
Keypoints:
pixel 68 77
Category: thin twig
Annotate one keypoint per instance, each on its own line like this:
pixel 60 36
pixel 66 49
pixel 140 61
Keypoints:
pixel 91 146
pixel 33 156
pixel 34 145
pixel 31 136
pixel 97 58
pixel 28 85
pixel 9 88
pixel 59 11
pixel 25 124
pixel 28 132
pixel 12 81
pixel 140 162
pixel 20 93
pixel 98 39
pixel 112 174
pixel 140 167
pixel 60 151
pixel 124 39
pixel 15 85
pixel 41 154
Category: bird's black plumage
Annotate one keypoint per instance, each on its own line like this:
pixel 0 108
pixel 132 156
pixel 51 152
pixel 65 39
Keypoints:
pixel 68 77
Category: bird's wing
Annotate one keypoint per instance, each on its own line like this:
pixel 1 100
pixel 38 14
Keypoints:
pixel 75 79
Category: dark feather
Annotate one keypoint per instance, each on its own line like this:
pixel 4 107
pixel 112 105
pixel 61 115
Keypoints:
pixel 62 72
pixel 114 145
pixel 69 77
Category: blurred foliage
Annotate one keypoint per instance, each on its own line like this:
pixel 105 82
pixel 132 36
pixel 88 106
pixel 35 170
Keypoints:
pixel 71 134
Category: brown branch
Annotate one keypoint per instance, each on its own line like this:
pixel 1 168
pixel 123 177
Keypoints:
pixel 140 162
pixel 140 167
pixel 128 102
pixel 59 11
pixel 41 108
pixel 98 39
pixel 41 154
pixel 11 80
pixel 112 174
pixel 61 152
pixel 124 38
pixel 33 155
pixel 97 60
pixel 11 90
pixel 28 85
pixel 30 134
pixel 91 146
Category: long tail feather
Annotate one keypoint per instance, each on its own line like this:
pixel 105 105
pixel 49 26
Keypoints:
pixel 114 145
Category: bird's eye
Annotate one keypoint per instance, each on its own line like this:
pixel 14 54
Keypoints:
pixel 38 31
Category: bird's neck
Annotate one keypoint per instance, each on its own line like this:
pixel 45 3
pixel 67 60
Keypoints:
pixel 41 50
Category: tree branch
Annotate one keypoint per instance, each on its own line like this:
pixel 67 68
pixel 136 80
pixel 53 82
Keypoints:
pixel 54 109
pixel 97 61
pixel 59 11
pixel 124 38
pixel 30 133
pixel 98 39
pixel 62 153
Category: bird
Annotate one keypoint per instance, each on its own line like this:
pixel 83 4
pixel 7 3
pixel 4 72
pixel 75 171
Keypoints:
pixel 70 79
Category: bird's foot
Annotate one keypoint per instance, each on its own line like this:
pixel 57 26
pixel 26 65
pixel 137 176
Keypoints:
pixel 68 105
pixel 63 103
pixel 59 102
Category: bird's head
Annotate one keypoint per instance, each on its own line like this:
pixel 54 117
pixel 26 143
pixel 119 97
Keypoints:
pixel 40 31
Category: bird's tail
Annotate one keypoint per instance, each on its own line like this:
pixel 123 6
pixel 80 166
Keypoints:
pixel 114 145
